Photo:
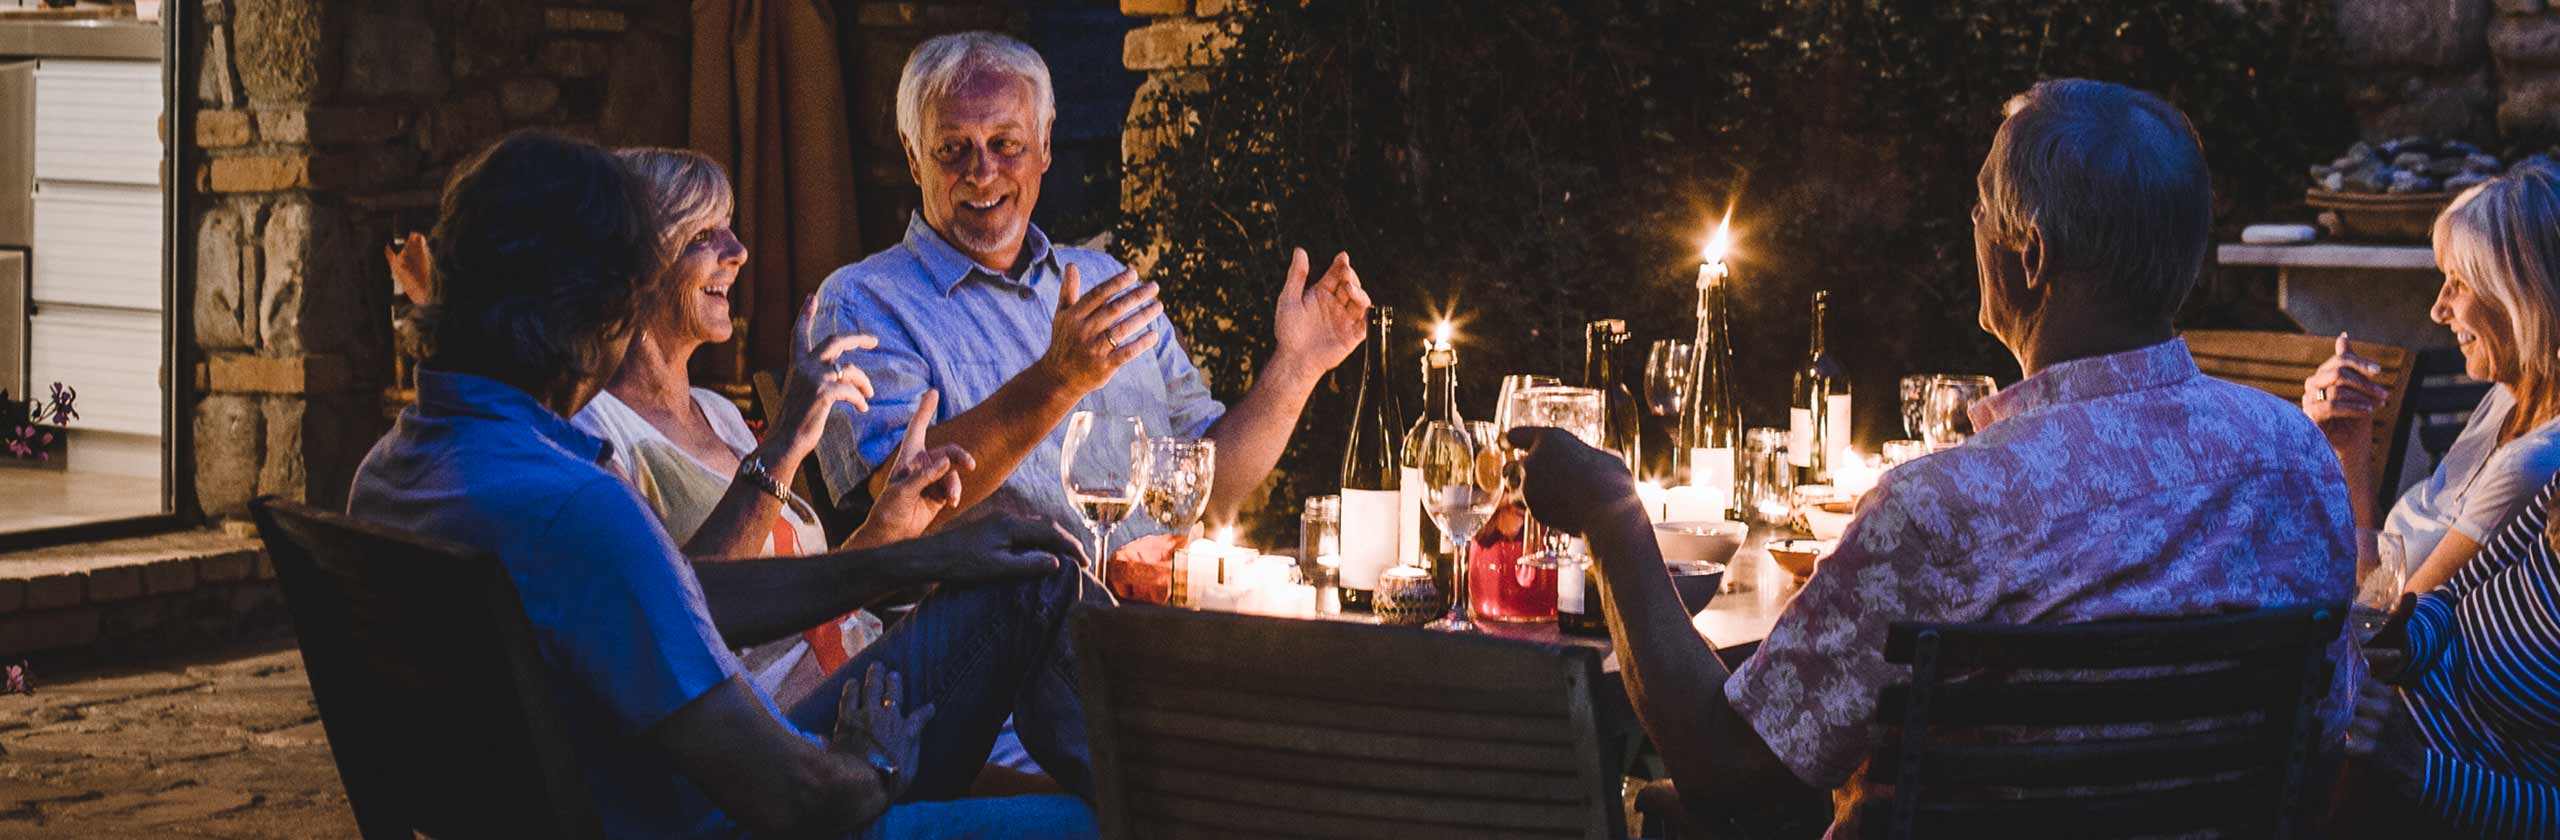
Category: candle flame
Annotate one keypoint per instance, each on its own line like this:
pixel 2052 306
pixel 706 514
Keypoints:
pixel 1227 534
pixel 1722 241
pixel 1440 333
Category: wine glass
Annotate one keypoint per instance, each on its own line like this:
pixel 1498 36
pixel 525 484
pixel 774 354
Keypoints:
pixel 1915 404
pixel 1179 475
pixel 2380 590
pixel 1104 468
pixel 1514 388
pixel 1581 412
pixel 1666 377
pixel 1946 420
pixel 1461 478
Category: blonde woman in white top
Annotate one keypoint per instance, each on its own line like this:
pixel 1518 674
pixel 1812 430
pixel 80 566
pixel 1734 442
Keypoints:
pixel 2499 246
pixel 719 490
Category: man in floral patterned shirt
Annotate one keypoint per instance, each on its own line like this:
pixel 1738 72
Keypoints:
pixel 2114 482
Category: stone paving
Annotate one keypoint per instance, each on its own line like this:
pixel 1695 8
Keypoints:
pixel 225 744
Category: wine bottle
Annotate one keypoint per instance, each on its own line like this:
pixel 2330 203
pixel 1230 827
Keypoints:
pixel 1709 442
pixel 1818 418
pixel 1373 500
pixel 1439 404
pixel 1620 430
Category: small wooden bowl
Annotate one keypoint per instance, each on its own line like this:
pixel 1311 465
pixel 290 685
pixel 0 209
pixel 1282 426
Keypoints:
pixel 1799 557
pixel 2370 217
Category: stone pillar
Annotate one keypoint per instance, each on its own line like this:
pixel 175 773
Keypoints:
pixel 321 130
pixel 2417 68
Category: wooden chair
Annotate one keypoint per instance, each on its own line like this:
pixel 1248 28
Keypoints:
pixel 2442 398
pixel 837 517
pixel 436 703
pixel 1219 725
pixel 2258 675
pixel 2277 362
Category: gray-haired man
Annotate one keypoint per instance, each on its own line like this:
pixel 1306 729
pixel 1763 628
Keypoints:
pixel 1016 332
pixel 2114 482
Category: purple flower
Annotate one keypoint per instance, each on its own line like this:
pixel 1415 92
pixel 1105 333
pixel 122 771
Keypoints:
pixel 63 397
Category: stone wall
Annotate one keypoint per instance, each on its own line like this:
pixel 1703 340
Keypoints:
pixel 2485 70
pixel 2524 40
pixel 321 129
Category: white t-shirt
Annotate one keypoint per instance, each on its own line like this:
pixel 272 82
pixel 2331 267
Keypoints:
pixel 2479 484
pixel 683 490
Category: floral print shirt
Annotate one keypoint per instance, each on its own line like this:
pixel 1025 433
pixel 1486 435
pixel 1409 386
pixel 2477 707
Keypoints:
pixel 2113 487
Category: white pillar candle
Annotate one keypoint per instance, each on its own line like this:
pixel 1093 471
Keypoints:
pixel 1694 504
pixel 1712 468
pixel 1656 500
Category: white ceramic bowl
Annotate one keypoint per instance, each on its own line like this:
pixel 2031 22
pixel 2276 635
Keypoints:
pixel 1826 520
pixel 1700 541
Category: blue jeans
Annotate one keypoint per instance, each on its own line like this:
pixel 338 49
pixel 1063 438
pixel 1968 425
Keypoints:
pixel 979 653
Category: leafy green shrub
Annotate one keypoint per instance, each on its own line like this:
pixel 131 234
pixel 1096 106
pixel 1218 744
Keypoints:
pixel 1529 166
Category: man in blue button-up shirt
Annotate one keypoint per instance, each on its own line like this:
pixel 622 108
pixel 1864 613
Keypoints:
pixel 1017 332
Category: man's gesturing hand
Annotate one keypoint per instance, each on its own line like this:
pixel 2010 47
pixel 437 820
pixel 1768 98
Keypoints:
pixel 1318 326
pixel 1096 332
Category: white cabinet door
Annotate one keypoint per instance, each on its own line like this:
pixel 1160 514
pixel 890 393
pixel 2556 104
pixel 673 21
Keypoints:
pixel 98 121
pixel 98 245
pixel 111 357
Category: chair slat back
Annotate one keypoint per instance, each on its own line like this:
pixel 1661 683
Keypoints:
pixel 2277 362
pixel 435 700
pixel 1221 725
pixel 2443 398
pixel 2104 729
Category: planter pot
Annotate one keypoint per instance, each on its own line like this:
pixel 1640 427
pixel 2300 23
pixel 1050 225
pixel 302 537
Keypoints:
pixel 2360 217
pixel 56 455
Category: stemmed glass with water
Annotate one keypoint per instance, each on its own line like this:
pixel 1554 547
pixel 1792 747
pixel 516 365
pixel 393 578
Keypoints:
pixel 1461 466
pixel 1104 466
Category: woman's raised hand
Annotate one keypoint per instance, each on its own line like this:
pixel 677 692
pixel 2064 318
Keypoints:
pixel 2341 397
pixel 922 482
pixel 812 386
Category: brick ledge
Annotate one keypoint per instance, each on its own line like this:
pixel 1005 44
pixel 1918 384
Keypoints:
pixel 138 592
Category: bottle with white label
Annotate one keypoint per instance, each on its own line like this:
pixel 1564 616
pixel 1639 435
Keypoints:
pixel 1818 419
pixel 1578 602
pixel 1375 504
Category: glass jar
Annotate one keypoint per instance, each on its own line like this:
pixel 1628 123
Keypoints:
pixel 1767 490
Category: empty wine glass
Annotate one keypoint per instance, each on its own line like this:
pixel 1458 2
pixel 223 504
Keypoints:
pixel 1946 420
pixel 1179 475
pixel 2380 590
pixel 1666 377
pixel 1461 470
pixel 1915 404
pixel 1104 468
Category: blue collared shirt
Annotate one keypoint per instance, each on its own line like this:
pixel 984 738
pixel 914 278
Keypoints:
pixel 615 608
pixel 945 322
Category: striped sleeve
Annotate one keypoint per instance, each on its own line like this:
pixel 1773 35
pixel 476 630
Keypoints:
pixel 2491 803
pixel 2509 545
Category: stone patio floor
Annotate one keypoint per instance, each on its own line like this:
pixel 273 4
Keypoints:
pixel 223 744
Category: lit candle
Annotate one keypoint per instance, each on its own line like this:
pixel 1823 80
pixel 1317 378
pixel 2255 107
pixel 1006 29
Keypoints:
pixel 1712 467
pixel 1853 473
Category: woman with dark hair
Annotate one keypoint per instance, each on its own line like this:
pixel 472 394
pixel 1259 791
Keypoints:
pixel 545 250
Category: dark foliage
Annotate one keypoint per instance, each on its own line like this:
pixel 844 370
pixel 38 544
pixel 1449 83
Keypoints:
pixel 1524 167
